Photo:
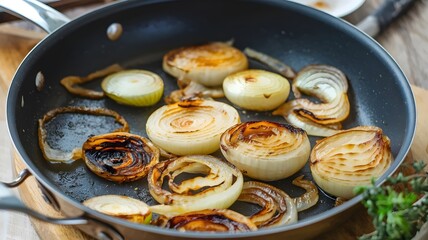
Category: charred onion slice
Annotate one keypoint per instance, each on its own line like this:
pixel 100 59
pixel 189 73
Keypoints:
pixel 193 89
pixel 206 64
pixel 319 119
pixel 134 87
pixel 350 158
pixel 275 64
pixel 190 126
pixel 122 207
pixel 71 82
pixel 311 128
pixel 309 198
pixel 266 150
pixel 61 156
pixel 210 220
pixel 277 207
pixel 256 90
pixel 217 188
pixel 120 157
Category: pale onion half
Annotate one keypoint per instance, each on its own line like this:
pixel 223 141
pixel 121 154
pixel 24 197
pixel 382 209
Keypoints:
pixel 206 64
pixel 277 207
pixel 265 150
pixel 122 207
pixel 209 220
pixel 134 87
pixel 190 126
pixel 257 90
pixel 350 158
pixel 217 188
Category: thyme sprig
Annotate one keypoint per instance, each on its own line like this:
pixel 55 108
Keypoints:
pixel 396 214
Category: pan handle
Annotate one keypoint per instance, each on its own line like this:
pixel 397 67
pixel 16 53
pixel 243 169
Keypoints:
pixel 40 14
pixel 8 201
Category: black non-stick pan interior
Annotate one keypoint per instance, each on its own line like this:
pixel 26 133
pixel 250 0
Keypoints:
pixel 379 93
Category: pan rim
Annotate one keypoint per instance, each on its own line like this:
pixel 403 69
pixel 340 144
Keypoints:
pixel 116 7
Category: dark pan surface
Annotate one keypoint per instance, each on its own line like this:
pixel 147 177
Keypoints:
pixel 379 93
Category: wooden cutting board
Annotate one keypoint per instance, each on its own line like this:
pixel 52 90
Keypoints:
pixel 13 49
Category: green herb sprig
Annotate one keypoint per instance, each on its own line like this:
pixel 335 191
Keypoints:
pixel 397 215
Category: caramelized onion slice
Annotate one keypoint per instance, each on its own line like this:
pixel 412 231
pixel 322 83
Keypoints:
pixel 61 156
pixel 277 207
pixel 321 81
pixel 122 207
pixel 71 83
pixel 210 220
pixel 266 150
pixel 120 157
pixel 194 90
pixel 218 187
pixel 206 64
pixel 256 90
pixel 275 64
pixel 309 198
pixel 311 128
pixel 350 158
pixel 191 126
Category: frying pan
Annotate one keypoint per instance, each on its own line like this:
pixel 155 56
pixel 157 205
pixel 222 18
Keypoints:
pixel 379 93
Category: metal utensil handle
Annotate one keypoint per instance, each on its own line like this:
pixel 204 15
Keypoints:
pixel 40 14
pixel 8 201
pixel 390 10
pixel 383 16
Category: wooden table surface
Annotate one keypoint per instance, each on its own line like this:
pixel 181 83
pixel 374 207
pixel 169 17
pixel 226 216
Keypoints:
pixel 406 40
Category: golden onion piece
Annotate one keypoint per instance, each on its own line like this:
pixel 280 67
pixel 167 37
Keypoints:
pixel 123 207
pixel 206 64
pixel 190 126
pixel 266 150
pixel 193 90
pixel 120 157
pixel 321 81
pixel 350 158
pixel 210 184
pixel 209 220
pixel 277 208
pixel 311 128
pixel 330 86
pixel 271 62
pixel 257 90
pixel 134 87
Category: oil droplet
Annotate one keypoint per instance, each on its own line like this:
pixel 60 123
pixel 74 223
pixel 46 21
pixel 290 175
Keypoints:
pixel 114 31
pixel 40 81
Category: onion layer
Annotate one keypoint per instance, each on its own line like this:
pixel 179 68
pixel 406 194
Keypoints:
pixel 191 126
pixel 219 187
pixel 277 207
pixel 275 64
pixel 350 158
pixel 61 156
pixel 122 207
pixel 206 64
pixel 210 220
pixel 189 90
pixel 257 90
pixel 134 87
pixel 327 84
pixel 71 83
pixel 266 150
pixel 120 157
